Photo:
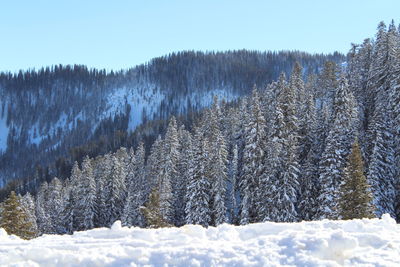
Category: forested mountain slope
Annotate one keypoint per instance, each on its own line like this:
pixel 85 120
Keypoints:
pixel 48 112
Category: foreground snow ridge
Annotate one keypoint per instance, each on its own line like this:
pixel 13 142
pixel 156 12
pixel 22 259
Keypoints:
pixel 364 242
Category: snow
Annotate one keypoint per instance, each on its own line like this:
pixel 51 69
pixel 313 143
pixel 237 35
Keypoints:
pixel 142 98
pixel 148 101
pixel 147 98
pixel 367 242
pixel 36 136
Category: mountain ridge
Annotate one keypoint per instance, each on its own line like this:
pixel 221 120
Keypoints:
pixel 48 111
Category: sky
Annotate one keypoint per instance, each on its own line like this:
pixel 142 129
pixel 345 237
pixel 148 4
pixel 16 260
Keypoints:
pixel 120 34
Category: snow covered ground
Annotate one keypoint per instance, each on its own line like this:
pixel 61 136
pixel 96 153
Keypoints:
pixel 325 243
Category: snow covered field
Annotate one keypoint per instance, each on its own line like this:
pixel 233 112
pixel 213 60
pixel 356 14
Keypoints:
pixel 325 243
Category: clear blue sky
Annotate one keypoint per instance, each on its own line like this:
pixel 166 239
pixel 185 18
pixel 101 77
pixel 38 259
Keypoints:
pixel 120 34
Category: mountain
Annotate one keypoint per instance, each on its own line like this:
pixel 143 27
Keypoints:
pixel 47 115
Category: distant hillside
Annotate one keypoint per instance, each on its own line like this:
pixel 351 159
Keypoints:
pixel 44 113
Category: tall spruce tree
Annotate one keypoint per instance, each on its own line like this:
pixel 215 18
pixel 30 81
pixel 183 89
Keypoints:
pixel 198 192
pixel 355 197
pixel 338 145
pixel 87 199
pixel 253 161
pixel 115 188
pixel 217 166
pixel 102 171
pixel 184 166
pixel 14 218
pixel 232 194
pixel 53 204
pixel 381 167
pixel 72 213
pixel 309 157
pixel 288 184
pixel 376 77
pixel 43 218
pixel 273 162
pixel 144 188
pixel 152 211
pixel 67 214
pixel 28 205
pixel 137 189
pixel 132 190
pixel 169 176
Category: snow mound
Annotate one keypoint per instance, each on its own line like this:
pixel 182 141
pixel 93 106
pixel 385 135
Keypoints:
pixel 374 242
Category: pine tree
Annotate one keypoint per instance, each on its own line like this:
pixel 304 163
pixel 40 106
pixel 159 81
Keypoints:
pixel 28 206
pixel 72 209
pixel 198 192
pixel 309 158
pixel 232 195
pixel 274 161
pixel 87 200
pixel 381 167
pixel 184 167
pixel 377 74
pixel 355 198
pixel 14 219
pixel 169 176
pixel 253 161
pixel 152 211
pixel 53 204
pixel 67 215
pixel 132 186
pixel 280 180
pixel 217 166
pixel 43 218
pixel 143 185
pixel 338 145
pixel 288 184
pixel 242 117
pixel 102 172
pixel 129 213
pixel 115 188
pixel 137 189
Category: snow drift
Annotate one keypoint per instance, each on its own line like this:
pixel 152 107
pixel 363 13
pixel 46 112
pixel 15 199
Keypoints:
pixel 374 242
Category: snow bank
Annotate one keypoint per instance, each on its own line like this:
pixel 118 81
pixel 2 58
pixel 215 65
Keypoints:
pixel 324 243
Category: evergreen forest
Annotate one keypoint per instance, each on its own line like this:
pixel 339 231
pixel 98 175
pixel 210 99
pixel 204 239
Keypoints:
pixel 298 137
